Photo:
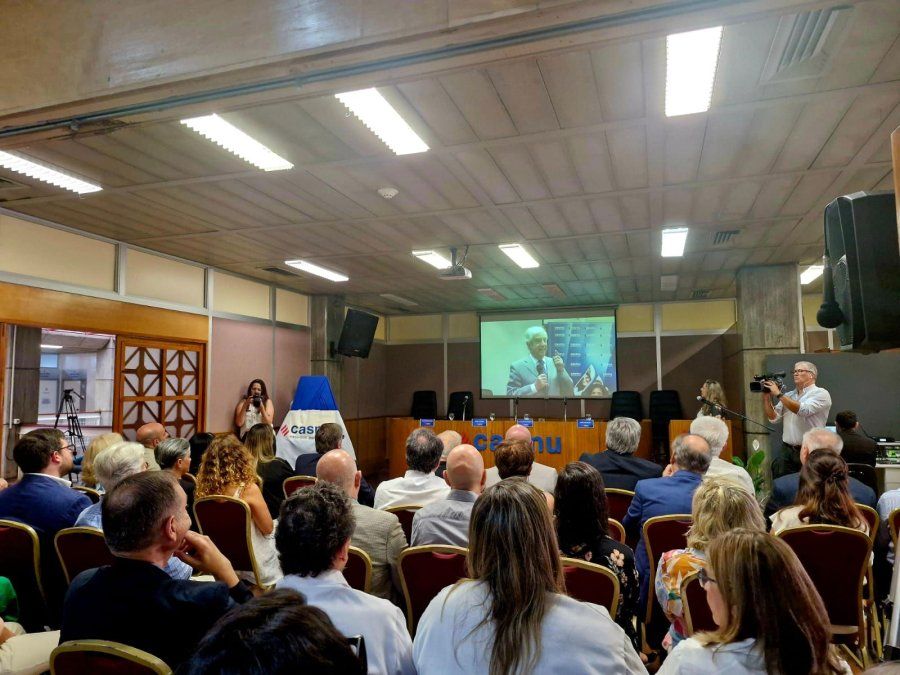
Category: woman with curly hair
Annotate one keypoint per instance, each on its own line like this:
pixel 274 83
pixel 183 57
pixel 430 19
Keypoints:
pixel 229 469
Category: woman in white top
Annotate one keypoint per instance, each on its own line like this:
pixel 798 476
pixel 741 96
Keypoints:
pixel 254 408
pixel 713 392
pixel 770 618
pixel 512 615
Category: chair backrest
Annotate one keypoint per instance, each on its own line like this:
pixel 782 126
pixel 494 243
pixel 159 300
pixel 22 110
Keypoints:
pixel 191 478
pixel 457 401
pixel 872 519
pixel 865 474
pixel 80 549
pixel 665 404
pixel 661 534
pixel 894 524
pixel 294 483
pixel 91 493
pixel 405 513
pixel 696 612
pixel 424 404
pixel 227 521
pixel 358 571
pixel 20 562
pixel 618 502
pixel 616 530
pixel 815 546
pixel 102 657
pixel 424 572
pixel 626 404
pixel 589 582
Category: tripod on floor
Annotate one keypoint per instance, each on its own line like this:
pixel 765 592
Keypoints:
pixel 73 424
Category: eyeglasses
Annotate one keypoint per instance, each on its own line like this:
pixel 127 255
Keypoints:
pixel 705 579
pixel 800 370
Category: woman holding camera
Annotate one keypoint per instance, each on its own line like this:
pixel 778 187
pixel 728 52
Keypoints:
pixel 255 408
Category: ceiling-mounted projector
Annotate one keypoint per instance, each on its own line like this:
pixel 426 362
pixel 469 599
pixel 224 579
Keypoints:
pixel 457 270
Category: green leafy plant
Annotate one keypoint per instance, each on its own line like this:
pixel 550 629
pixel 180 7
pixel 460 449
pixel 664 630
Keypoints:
pixel 755 466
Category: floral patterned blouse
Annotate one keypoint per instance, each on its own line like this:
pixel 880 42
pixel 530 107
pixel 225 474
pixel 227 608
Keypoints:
pixel 619 559
pixel 674 567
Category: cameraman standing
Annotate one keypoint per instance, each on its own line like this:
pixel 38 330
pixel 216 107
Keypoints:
pixel 803 408
pixel 254 408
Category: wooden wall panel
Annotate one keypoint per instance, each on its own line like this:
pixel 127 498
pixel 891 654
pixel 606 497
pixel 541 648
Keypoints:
pixel 369 439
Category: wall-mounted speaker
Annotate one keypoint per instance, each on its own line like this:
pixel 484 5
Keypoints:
pixel 357 334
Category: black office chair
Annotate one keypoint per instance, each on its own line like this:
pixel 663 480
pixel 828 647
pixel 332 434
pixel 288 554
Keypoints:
pixel 626 404
pixel 665 405
pixel 459 399
pixel 865 474
pixel 424 405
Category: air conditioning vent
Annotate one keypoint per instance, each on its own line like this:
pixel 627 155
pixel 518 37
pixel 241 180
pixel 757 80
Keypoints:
pixel 278 270
pixel 700 294
pixel 804 43
pixel 724 236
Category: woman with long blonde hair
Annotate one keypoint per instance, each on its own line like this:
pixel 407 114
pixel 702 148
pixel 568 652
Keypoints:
pixel 713 392
pixel 229 469
pixel 98 445
pixel 272 470
pixel 512 616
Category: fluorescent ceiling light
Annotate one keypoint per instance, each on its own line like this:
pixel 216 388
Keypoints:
pixel 43 346
pixel 236 142
pixel 398 299
pixel 317 270
pixel 811 273
pixel 379 116
pixel 45 174
pixel 668 282
pixel 673 241
pixel 434 259
pixel 519 255
pixel 691 60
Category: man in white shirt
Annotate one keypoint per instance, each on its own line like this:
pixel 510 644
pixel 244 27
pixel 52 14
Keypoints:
pixel 715 432
pixel 418 485
pixel 313 541
pixel 541 476
pixel 802 409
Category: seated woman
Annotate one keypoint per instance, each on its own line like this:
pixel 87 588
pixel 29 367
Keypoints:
pixel 98 445
pixel 199 443
pixel 272 470
pixel 719 505
pixel 174 455
pixel 228 469
pixel 822 497
pixel 770 618
pixel 25 653
pixel 514 459
pixel 511 615
pixel 582 523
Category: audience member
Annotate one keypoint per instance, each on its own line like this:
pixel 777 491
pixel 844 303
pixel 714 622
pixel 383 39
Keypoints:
pixel 150 435
pixel 227 469
pixel 582 526
pixel 784 489
pixel 770 618
pixel 174 455
pixel 275 634
pixel 449 439
pixel 24 653
pixel 719 506
pixel 418 485
pixel 512 615
pixel 329 436
pixel 199 443
pixel 858 448
pixel 98 445
pixel 715 432
pixel 541 476
pixel 313 545
pixel 666 496
pixel 377 532
pixel 447 521
pixel 272 471
pixel 822 497
pixel 514 459
pixel 618 465
pixel 133 600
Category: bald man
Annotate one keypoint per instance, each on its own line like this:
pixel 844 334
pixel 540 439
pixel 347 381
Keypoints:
pixel 377 532
pixel 447 521
pixel 450 439
pixel 541 476
pixel 150 435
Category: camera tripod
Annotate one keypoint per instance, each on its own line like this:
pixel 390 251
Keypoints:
pixel 73 424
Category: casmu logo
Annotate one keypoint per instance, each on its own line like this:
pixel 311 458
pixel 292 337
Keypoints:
pixel 302 431
pixel 549 444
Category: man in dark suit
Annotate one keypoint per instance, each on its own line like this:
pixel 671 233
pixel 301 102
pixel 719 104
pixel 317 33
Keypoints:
pixel 665 496
pixel 134 601
pixel 858 448
pixel 784 489
pixel 328 438
pixel 618 465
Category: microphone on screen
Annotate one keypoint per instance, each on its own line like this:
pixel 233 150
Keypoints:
pixel 540 367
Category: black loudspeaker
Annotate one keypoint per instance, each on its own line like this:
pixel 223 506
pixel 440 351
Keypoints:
pixel 861 298
pixel 357 334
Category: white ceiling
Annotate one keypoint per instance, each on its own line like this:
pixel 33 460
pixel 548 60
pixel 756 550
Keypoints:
pixel 565 151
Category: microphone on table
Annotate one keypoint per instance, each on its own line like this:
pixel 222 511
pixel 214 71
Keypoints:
pixel 465 400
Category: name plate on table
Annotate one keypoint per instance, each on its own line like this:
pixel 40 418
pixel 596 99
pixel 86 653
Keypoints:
pixel 525 423
pixel 426 422
pixel 585 424
pixel 479 422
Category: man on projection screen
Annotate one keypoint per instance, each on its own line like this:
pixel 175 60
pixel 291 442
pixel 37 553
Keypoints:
pixel 537 376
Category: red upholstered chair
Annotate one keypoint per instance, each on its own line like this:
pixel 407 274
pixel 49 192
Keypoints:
pixel 589 582
pixel 697 614
pixel 894 525
pixel 406 513
pixel 91 493
pixel 618 501
pixel 816 547
pixel 190 478
pixel 227 521
pixel 661 534
pixel 616 530
pixel 101 657
pixel 80 549
pixel 872 519
pixel 294 483
pixel 358 571
pixel 20 562
pixel 424 572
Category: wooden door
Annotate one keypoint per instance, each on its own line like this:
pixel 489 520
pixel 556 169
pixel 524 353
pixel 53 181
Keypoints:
pixel 159 381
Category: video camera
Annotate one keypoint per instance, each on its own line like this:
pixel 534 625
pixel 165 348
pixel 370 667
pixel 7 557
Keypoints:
pixel 777 378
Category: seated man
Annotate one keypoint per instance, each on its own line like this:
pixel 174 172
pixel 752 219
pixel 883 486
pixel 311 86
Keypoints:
pixel 541 476
pixel 447 521
pixel 715 432
pixel 618 465
pixel 377 532
pixel 449 439
pixel 858 448
pixel 418 485
pixel 133 600
pixel 784 489
pixel 150 435
pixel 665 496
pixel 329 437
pixel 514 459
pixel 313 541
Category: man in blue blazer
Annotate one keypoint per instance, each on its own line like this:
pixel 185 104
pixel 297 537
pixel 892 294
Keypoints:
pixel 328 438
pixel 666 496
pixel 618 465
